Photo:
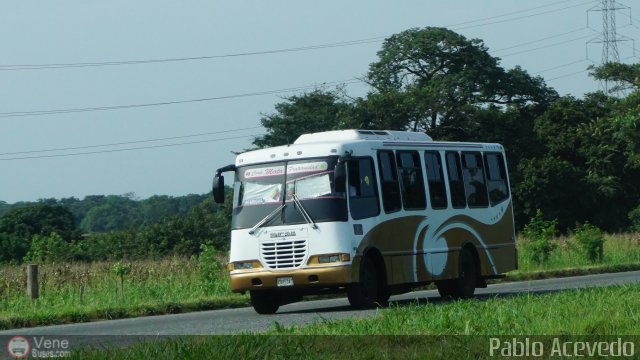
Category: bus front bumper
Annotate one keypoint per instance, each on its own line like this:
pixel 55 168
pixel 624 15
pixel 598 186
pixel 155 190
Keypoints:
pixel 311 277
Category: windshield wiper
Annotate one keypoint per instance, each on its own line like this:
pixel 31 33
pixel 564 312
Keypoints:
pixel 302 210
pixel 266 218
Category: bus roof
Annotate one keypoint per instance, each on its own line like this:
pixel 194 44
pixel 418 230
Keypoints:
pixel 336 142
pixel 353 135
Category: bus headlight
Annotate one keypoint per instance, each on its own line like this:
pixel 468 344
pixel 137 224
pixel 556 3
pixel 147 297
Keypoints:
pixel 244 265
pixel 329 258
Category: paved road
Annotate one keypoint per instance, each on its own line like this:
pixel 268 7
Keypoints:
pixel 245 319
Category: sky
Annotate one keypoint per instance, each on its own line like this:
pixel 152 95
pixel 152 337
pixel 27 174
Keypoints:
pixel 547 38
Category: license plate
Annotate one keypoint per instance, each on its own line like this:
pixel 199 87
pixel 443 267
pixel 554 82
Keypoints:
pixel 285 281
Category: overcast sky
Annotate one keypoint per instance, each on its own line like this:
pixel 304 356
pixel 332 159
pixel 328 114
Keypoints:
pixel 546 38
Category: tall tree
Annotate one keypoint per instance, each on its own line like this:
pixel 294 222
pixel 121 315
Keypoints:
pixel 318 110
pixel 435 76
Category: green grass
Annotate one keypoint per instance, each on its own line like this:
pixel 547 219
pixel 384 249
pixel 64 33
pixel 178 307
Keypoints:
pixel 567 312
pixel 153 287
pixel 619 249
pixel 459 329
pixel 181 285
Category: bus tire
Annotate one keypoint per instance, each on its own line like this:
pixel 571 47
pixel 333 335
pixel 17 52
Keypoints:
pixel 465 285
pixel 468 279
pixel 265 302
pixel 371 291
pixel 446 288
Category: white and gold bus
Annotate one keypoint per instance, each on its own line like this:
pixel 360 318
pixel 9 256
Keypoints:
pixel 368 212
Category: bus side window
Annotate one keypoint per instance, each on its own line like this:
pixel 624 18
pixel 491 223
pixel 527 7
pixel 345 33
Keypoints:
pixel 437 190
pixel 389 182
pixel 496 178
pixel 411 182
pixel 456 186
pixel 363 191
pixel 474 183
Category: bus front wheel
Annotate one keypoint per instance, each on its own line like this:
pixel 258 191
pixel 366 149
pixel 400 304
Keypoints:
pixel 371 291
pixel 265 302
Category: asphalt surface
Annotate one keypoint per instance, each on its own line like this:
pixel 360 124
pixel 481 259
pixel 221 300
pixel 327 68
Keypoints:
pixel 232 321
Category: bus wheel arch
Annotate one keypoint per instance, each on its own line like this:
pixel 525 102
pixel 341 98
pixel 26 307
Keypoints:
pixel 372 289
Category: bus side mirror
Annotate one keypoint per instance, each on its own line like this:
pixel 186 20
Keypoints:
pixel 340 177
pixel 218 189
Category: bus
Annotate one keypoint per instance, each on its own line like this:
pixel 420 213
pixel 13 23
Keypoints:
pixel 372 213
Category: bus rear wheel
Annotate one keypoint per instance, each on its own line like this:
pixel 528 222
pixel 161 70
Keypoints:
pixel 371 291
pixel 465 285
pixel 265 302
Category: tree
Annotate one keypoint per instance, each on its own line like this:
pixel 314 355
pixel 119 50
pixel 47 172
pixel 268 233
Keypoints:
pixel 39 219
pixel 444 77
pixel 318 110
pixel 627 76
pixel 18 226
pixel 588 165
pixel 115 213
pixel 14 248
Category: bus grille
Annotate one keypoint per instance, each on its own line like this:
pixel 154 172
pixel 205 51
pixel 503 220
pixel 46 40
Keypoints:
pixel 284 254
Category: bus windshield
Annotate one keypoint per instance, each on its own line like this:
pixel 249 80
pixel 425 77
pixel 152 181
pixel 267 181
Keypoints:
pixel 261 189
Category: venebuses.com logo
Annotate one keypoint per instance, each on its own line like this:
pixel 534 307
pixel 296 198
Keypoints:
pixel 18 347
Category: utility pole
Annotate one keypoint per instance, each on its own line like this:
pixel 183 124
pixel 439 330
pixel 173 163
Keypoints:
pixel 609 37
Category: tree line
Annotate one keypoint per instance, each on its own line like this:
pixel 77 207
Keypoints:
pixel 102 213
pixel 112 227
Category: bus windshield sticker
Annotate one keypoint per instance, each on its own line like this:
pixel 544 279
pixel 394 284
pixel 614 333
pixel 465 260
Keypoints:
pixel 307 167
pixel 264 172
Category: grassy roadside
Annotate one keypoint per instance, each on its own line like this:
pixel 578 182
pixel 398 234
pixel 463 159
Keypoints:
pixel 77 292
pixel 439 330
pixel 87 292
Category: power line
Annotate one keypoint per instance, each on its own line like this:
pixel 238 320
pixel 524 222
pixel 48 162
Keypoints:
pixel 174 102
pixel 268 92
pixel 538 40
pixel 510 13
pixel 209 57
pixel 128 142
pixel 205 133
pixel 16 67
pixel 567 75
pixel 127 149
pixel 524 16
pixel 579 72
pixel 560 66
pixel 549 45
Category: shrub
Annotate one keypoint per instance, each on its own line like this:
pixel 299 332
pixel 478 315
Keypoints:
pixel 634 216
pixel 539 233
pixel 591 240
pixel 211 267
pixel 121 270
pixel 49 249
